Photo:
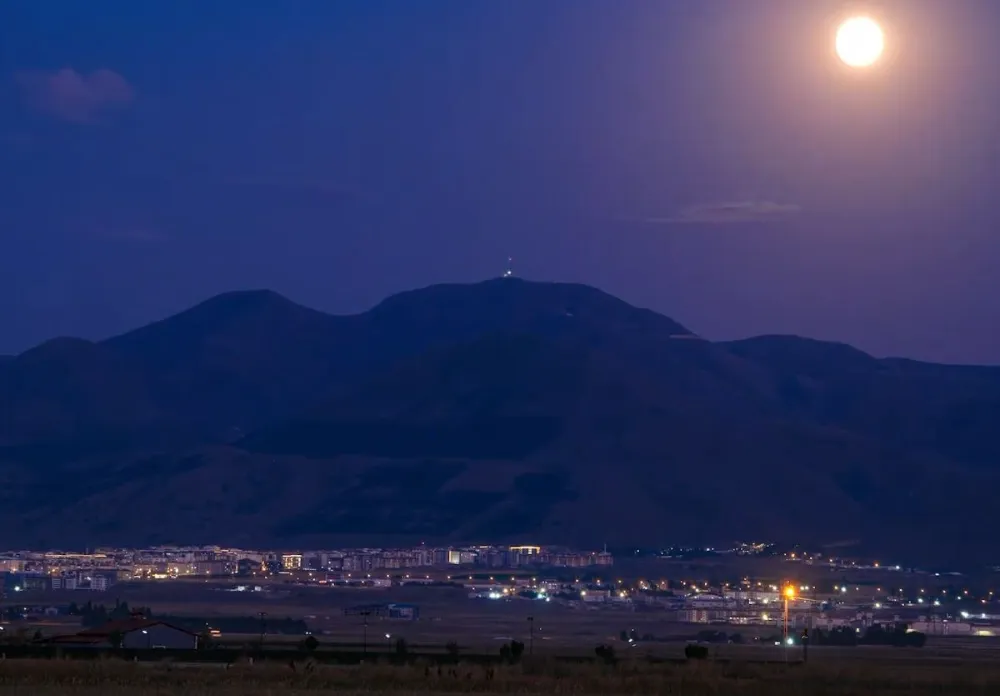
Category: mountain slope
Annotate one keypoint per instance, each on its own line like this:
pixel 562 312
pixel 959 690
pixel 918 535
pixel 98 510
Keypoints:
pixel 504 386
pixel 512 437
pixel 624 453
pixel 500 410
pixel 495 398
pixel 945 409
pixel 238 359
pixel 69 386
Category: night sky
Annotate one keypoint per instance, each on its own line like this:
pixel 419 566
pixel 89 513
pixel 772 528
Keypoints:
pixel 710 159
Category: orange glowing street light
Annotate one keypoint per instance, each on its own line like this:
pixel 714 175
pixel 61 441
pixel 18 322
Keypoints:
pixel 789 594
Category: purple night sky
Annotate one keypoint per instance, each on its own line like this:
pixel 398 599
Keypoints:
pixel 710 159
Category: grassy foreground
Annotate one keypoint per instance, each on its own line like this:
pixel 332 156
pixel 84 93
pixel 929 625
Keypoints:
pixel 114 678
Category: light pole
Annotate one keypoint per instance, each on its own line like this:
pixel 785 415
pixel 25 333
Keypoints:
pixel 531 635
pixel 364 633
pixel 263 627
pixel 789 595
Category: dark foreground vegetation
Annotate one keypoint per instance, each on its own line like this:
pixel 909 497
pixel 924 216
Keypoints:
pixel 113 677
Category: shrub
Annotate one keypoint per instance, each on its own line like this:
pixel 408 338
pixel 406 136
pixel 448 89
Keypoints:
pixel 605 653
pixel 695 652
pixel 505 654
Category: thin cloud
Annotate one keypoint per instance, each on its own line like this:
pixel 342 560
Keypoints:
pixel 75 97
pixel 728 212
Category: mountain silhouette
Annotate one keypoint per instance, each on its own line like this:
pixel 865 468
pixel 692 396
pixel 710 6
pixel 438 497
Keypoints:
pixel 495 411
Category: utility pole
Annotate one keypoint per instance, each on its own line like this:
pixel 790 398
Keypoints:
pixel 531 635
pixel 784 629
pixel 364 634
pixel 787 594
pixel 263 628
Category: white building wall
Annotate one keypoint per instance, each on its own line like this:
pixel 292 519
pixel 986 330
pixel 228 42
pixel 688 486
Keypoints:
pixel 160 636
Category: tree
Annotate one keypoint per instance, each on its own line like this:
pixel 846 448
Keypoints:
pixel 310 644
pixel 516 650
pixel 20 636
pixel 693 651
pixel 116 638
pixel 401 647
pixel 605 653
pixel 451 647
pixel 121 611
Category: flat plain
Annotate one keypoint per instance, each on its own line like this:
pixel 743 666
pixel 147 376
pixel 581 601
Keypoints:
pixel 653 665
pixel 533 676
pixel 479 626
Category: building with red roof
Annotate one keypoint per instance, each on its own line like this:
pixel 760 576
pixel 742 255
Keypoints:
pixel 134 633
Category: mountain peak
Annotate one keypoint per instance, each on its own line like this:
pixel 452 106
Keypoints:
pixel 228 304
pixel 521 304
pixel 215 313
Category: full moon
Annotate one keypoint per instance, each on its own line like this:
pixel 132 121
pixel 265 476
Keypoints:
pixel 860 42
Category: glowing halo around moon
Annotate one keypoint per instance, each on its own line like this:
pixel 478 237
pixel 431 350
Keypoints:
pixel 860 42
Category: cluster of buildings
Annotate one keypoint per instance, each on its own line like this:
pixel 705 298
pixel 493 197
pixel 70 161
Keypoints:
pixel 496 557
pixel 98 570
pixel 28 571
pixel 797 607
pixel 768 609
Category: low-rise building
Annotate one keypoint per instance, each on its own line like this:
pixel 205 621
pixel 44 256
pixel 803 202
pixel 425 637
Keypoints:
pixel 134 634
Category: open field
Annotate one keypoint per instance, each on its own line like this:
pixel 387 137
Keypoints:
pixel 538 676
pixel 945 665
pixel 447 614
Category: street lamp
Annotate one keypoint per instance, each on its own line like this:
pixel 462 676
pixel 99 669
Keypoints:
pixel 789 594
pixel 364 634
pixel 531 635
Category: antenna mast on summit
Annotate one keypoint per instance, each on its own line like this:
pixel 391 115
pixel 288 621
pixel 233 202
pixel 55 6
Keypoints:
pixel 509 271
